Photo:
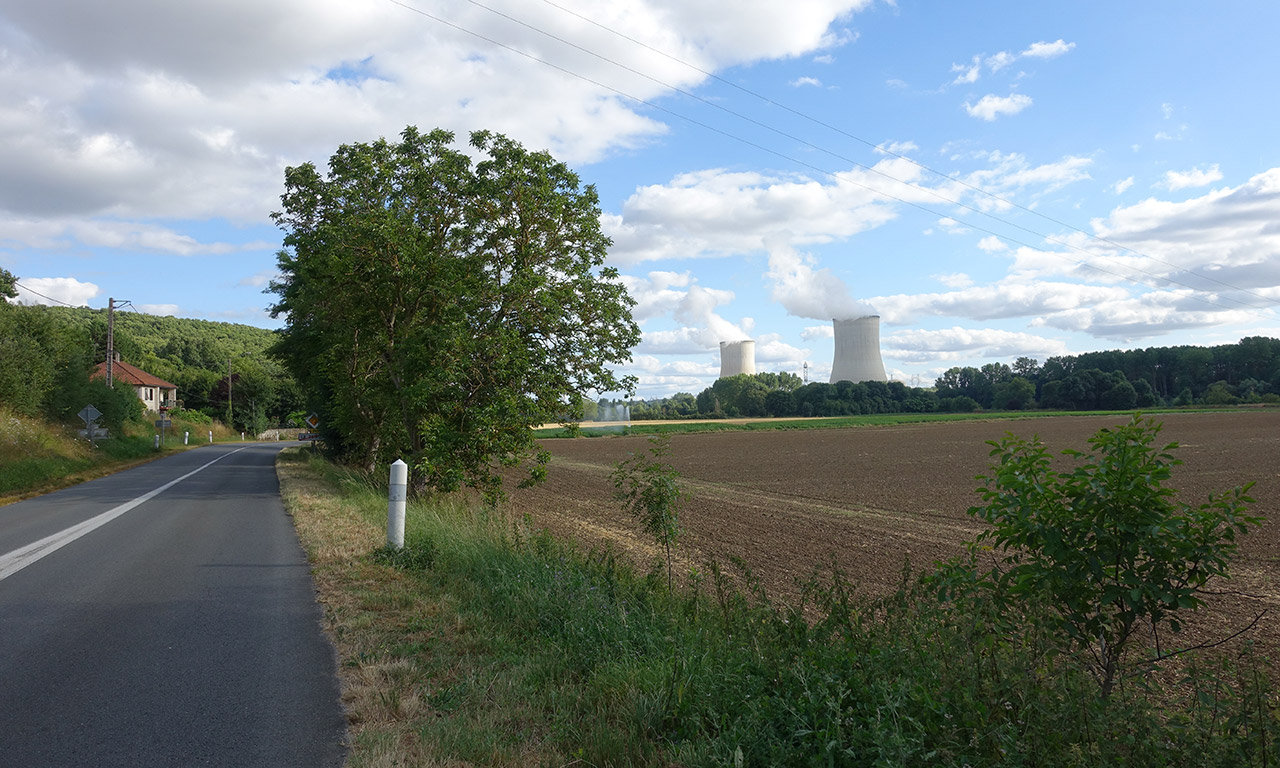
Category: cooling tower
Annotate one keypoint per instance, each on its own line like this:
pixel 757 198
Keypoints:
pixel 737 357
pixel 858 351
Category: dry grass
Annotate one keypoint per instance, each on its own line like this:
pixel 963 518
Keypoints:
pixel 416 680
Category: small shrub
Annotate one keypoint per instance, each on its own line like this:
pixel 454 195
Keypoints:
pixel 1106 544
pixel 650 490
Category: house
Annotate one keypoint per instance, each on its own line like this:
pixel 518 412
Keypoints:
pixel 155 393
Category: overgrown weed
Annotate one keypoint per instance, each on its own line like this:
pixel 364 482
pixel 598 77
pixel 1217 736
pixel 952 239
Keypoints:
pixel 525 650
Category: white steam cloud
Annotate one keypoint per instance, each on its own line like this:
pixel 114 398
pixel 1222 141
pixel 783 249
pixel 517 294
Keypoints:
pixel 806 291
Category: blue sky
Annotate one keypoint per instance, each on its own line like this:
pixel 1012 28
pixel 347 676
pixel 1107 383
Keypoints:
pixel 993 179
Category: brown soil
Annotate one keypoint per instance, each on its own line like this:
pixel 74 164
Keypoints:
pixel 872 498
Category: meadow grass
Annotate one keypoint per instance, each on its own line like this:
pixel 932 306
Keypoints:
pixel 642 427
pixel 485 642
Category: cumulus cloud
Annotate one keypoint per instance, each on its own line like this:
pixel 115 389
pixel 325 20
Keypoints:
pixel 957 343
pixel 1120 186
pixel 807 291
pixel 990 107
pixel 717 212
pixel 969 73
pixel 954 280
pixel 800 82
pixel 169 310
pixel 1196 177
pixel 1009 299
pixel 1043 50
pixel 992 244
pixel 139 111
pixel 52 291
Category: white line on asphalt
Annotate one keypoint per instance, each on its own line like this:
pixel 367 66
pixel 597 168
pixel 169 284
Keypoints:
pixel 21 558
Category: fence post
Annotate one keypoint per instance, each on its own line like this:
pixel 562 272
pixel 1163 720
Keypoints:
pixel 395 504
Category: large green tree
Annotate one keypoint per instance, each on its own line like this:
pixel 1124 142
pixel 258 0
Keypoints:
pixel 436 308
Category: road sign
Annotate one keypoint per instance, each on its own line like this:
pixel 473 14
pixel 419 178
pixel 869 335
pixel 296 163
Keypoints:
pixel 313 421
pixel 163 423
pixel 89 413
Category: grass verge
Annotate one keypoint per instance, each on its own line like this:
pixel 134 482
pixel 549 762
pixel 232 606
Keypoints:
pixel 482 643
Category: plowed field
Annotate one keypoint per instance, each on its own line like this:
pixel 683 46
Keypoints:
pixel 873 497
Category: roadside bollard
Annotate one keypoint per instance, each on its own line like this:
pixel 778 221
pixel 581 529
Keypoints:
pixel 395 504
pixel 210 436
pixel 157 442
pixel 242 437
pixel 185 437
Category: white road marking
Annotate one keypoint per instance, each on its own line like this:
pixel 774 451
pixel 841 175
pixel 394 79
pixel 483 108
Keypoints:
pixel 21 558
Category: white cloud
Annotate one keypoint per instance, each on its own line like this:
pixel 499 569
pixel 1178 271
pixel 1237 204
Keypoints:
pixel 954 280
pixel 1196 177
pixel 806 291
pixel 170 310
pixel 1000 60
pixel 957 343
pixel 52 291
pixel 896 147
pixel 1010 299
pixel 818 332
pixel 678 296
pixel 717 212
pixel 992 244
pixel 1166 109
pixel 1043 50
pixel 969 73
pixel 990 107
pixel 800 82
pixel 139 111
pixel 261 279
pixel 1120 186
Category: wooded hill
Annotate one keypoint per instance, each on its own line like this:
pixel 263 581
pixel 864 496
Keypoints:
pixel 58 343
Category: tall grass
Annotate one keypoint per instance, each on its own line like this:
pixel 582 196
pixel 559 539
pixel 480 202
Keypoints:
pixel 514 648
pixel 36 455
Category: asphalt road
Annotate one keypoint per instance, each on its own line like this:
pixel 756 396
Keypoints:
pixel 181 631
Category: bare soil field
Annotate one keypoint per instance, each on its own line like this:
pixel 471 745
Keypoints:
pixel 871 498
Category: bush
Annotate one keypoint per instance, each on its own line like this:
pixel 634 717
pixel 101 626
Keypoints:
pixel 1105 545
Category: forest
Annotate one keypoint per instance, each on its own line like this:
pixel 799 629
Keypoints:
pixel 48 353
pixel 1227 374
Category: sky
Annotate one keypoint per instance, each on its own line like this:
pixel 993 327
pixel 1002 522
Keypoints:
pixel 994 180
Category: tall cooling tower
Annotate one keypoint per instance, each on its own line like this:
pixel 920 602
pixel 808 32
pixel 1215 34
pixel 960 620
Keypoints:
pixel 858 351
pixel 737 357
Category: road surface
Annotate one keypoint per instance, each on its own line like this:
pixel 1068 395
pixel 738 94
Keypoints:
pixel 176 628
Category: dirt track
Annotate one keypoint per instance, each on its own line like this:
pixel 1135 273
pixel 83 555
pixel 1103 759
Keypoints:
pixel 872 497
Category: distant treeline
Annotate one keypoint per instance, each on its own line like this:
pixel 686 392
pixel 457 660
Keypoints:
pixel 47 354
pixel 1246 372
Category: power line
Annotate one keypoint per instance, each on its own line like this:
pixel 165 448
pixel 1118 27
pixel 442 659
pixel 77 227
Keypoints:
pixel 872 145
pixel 1243 306
pixel 41 295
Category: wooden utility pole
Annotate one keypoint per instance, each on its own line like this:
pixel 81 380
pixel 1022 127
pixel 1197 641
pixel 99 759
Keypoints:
pixel 111 339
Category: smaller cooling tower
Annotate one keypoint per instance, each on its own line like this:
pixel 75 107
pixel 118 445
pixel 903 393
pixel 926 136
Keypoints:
pixel 737 357
pixel 858 351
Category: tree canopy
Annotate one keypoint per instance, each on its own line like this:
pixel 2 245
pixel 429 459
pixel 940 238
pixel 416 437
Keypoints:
pixel 437 308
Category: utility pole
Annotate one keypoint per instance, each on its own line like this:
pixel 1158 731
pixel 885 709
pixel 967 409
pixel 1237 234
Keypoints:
pixel 111 340
pixel 229 414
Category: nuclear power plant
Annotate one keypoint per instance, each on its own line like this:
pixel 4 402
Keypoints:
pixel 738 357
pixel 857 351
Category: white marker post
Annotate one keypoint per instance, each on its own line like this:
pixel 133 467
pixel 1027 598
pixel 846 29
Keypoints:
pixel 211 436
pixel 186 436
pixel 157 442
pixel 395 504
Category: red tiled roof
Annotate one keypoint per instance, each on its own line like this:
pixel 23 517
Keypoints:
pixel 131 374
